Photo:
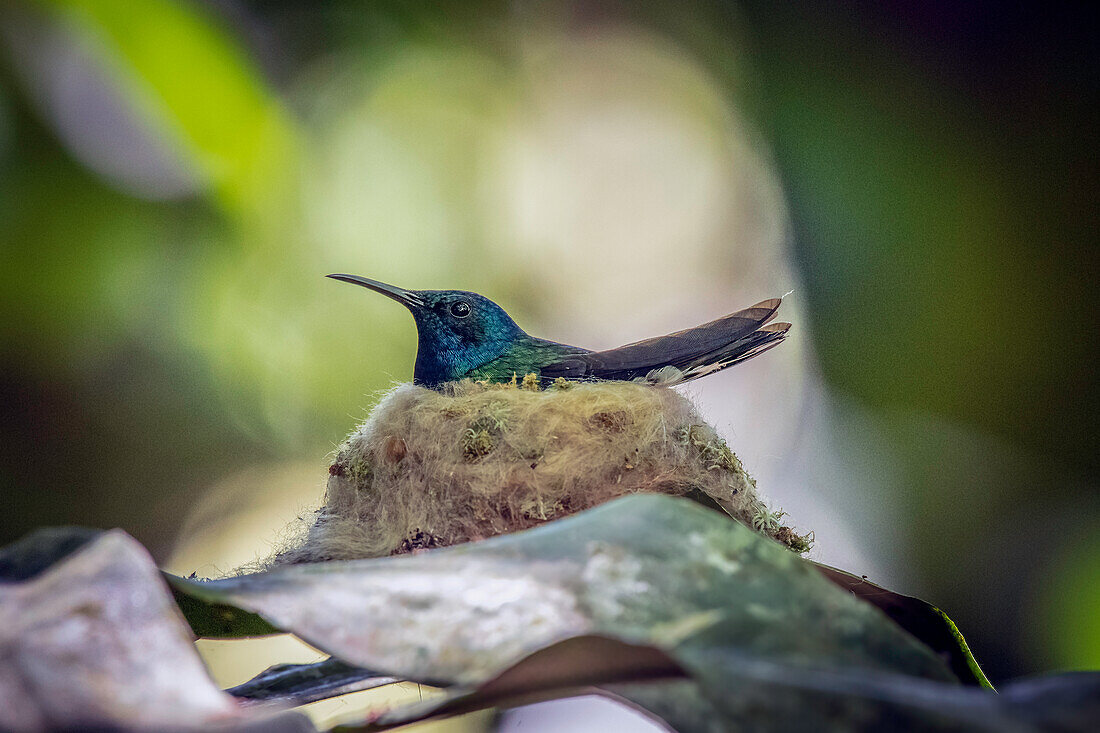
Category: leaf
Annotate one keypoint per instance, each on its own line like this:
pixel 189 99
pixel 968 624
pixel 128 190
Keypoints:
pixel 218 620
pixel 923 620
pixel 776 697
pixel 1067 702
pixel 646 570
pixel 562 666
pixel 191 82
pixel 568 668
pixel 35 553
pixel 729 691
pixel 90 636
pixel 702 667
pixel 288 685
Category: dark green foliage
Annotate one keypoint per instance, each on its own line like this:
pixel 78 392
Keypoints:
pixel 657 601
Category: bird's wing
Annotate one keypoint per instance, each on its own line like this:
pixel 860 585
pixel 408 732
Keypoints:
pixel 684 355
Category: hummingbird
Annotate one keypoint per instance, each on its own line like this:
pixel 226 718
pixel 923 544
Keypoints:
pixel 463 335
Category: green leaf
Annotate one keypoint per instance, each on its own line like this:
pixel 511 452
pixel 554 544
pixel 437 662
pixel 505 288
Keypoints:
pixel 646 570
pixel 776 697
pixel 923 620
pixel 216 620
pixel 560 670
pixel 719 690
pixel 288 685
pixel 652 600
pixel 188 79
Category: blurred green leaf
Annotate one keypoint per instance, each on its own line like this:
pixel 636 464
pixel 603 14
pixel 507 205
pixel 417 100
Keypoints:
pixel 1068 601
pixel 192 82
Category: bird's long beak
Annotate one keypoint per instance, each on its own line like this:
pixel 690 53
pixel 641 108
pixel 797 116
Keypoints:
pixel 408 298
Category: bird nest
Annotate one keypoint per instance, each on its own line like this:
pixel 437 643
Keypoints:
pixel 430 469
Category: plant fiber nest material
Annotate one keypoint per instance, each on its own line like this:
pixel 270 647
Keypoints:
pixel 430 469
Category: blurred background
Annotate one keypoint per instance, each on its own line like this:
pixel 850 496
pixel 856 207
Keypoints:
pixel 176 176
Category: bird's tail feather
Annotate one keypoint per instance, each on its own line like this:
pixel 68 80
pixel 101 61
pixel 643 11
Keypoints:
pixel 743 349
pixel 684 355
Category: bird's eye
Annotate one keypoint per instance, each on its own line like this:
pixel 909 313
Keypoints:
pixel 461 309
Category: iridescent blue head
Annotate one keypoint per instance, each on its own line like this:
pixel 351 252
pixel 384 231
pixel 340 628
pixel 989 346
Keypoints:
pixel 458 331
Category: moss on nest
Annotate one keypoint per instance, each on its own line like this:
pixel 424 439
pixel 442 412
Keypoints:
pixel 430 469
